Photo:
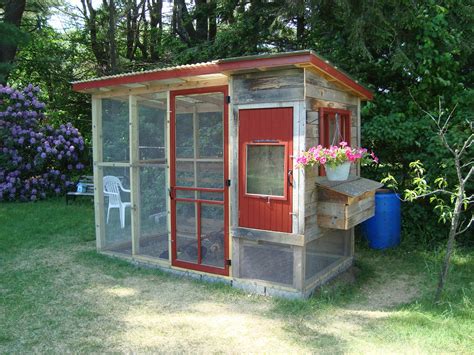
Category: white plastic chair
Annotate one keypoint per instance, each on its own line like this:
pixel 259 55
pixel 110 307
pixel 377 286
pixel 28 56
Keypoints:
pixel 112 187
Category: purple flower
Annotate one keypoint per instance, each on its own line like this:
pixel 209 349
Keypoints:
pixel 43 155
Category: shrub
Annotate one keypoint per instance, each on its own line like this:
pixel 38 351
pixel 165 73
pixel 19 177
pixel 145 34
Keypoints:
pixel 36 159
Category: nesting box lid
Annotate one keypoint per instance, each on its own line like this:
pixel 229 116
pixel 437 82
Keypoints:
pixel 353 187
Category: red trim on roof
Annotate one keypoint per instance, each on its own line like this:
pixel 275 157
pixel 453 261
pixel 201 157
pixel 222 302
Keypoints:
pixel 221 67
pixel 340 76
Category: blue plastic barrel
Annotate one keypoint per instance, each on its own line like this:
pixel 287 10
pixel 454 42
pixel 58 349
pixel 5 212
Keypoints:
pixel 384 228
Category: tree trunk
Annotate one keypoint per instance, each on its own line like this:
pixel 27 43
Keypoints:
pixel 111 37
pixel 183 23
pixel 452 231
pixel 212 20
pixel 155 8
pixel 300 31
pixel 202 24
pixel 12 15
pixel 97 47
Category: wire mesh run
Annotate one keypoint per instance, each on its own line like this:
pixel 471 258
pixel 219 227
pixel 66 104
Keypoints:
pixel 324 252
pixel 266 261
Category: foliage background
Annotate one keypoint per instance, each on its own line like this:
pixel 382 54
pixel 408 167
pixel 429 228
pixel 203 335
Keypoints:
pixel 403 50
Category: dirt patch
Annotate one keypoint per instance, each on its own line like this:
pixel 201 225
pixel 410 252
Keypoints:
pixel 386 294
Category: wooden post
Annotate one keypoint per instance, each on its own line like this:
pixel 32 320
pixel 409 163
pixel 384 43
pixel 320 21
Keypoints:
pixel 298 267
pixel 359 122
pixel 231 139
pixel 168 171
pixel 97 155
pixel 134 175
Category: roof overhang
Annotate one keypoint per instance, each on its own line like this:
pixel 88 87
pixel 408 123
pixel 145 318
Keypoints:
pixel 222 68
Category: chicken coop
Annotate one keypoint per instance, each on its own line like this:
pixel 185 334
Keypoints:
pixel 194 170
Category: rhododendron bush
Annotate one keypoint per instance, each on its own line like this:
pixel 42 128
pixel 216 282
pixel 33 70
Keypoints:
pixel 36 160
pixel 334 156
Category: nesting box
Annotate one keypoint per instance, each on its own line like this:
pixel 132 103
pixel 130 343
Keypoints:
pixel 345 204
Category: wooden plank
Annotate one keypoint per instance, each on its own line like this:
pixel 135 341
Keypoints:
pixel 236 250
pixel 271 86
pixel 336 222
pixel 327 94
pixel 97 156
pixel 161 87
pixel 134 175
pixel 267 236
pixel 299 179
pixel 353 187
pixel 168 172
pixel 298 267
pixel 342 210
pixel 234 165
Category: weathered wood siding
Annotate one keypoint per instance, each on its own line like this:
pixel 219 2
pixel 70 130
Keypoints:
pixel 268 86
pixel 319 92
pixel 266 89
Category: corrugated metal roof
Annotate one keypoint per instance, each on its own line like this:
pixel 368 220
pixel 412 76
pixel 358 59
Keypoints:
pixel 123 75
pixel 228 65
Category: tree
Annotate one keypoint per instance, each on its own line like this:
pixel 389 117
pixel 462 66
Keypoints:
pixel 10 34
pixel 459 196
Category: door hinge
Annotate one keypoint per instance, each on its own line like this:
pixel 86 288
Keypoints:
pixel 228 262
pixel 227 182
pixel 228 99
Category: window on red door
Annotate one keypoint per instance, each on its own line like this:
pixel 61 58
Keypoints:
pixel 334 127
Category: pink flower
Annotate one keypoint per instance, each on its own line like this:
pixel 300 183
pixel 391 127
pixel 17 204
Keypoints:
pixel 302 160
pixel 322 160
pixel 376 160
pixel 343 144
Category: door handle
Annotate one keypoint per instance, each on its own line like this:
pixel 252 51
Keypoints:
pixel 290 177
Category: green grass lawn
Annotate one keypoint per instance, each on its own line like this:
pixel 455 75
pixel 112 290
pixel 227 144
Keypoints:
pixel 58 295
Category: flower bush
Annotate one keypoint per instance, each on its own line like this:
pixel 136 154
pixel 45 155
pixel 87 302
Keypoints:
pixel 334 156
pixel 36 160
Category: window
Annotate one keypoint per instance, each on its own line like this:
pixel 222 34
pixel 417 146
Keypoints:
pixel 334 127
pixel 266 169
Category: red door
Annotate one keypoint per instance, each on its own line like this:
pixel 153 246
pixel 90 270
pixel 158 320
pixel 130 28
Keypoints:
pixel 199 193
pixel 265 175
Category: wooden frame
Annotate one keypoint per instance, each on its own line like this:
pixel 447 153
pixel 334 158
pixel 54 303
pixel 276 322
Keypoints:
pixel 283 197
pixel 298 178
pixel 174 259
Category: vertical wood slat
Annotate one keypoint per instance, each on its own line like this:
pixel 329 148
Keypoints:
pixel 359 123
pixel 299 142
pixel 97 156
pixel 168 171
pixel 134 174
pixel 298 267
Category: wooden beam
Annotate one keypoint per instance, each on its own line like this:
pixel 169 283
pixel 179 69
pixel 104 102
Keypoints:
pixel 267 236
pixel 134 174
pixel 97 156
